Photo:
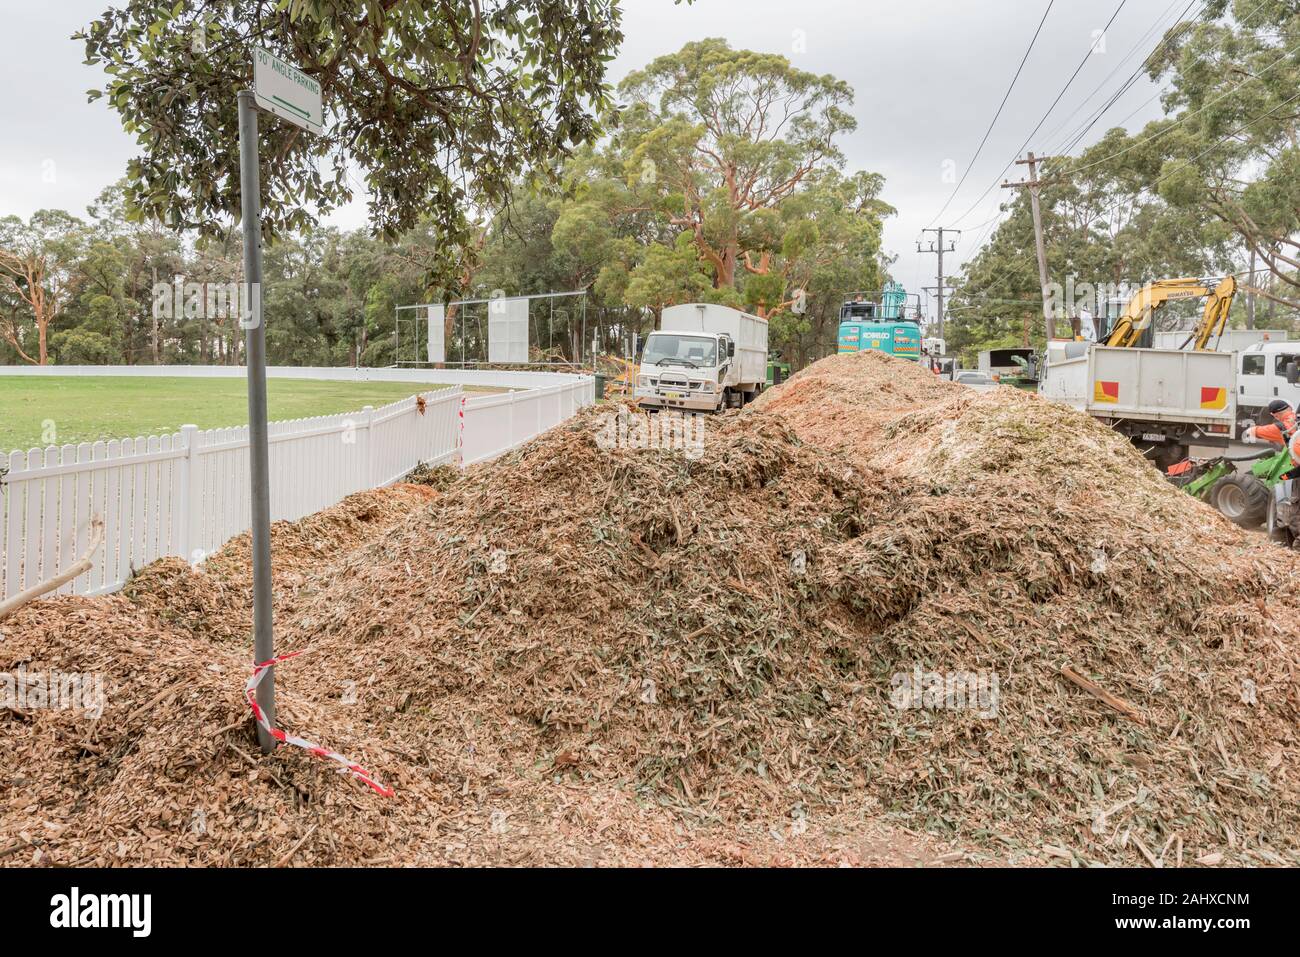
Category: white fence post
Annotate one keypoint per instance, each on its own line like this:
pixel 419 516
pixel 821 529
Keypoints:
pixel 367 447
pixel 189 509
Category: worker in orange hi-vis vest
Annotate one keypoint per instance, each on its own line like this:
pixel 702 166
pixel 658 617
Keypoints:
pixel 1280 431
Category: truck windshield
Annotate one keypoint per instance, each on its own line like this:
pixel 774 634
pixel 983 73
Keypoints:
pixel 664 348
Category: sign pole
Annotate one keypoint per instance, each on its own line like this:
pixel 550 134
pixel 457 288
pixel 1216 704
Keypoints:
pixel 258 452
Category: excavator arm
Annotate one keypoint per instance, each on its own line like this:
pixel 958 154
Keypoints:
pixel 1142 307
pixel 1215 318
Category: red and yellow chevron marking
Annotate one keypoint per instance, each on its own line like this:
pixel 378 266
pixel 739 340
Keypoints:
pixel 1213 397
pixel 1105 391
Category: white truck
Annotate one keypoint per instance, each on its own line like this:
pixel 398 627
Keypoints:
pixel 1164 399
pixel 1262 375
pixel 703 358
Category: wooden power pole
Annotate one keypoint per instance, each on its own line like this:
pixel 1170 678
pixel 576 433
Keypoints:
pixel 1033 184
pixel 939 249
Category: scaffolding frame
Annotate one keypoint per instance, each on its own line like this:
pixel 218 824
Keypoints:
pixel 413 323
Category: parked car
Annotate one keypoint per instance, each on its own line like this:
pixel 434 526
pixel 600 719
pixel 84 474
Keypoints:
pixel 976 380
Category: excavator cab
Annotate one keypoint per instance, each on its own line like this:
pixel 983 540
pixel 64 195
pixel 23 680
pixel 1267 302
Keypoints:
pixel 858 309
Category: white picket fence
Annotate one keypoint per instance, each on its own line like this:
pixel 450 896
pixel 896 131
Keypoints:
pixel 186 494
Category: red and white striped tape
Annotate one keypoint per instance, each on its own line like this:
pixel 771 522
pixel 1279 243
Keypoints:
pixel 250 692
pixel 460 437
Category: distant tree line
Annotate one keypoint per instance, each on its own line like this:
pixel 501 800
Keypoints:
pixel 716 177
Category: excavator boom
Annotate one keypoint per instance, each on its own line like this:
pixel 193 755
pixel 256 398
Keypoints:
pixel 1142 307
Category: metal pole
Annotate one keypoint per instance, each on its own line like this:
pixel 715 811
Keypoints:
pixel 940 249
pixel 258 456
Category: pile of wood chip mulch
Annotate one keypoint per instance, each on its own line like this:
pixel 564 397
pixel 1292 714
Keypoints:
pixel 584 654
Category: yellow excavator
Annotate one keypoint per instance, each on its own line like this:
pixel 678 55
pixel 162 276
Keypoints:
pixel 1136 318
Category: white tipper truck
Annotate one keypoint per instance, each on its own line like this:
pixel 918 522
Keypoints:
pixel 703 358
pixel 1163 399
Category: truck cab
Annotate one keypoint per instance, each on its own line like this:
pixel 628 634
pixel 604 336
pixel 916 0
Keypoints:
pixel 1262 376
pixel 703 358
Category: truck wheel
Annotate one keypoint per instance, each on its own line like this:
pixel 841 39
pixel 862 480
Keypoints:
pixel 1242 499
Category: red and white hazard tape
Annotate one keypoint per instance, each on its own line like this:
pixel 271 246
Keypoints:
pixel 250 692
pixel 459 455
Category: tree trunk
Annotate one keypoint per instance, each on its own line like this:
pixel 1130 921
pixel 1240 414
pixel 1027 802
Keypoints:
pixel 448 334
pixel 154 343
pixel 727 274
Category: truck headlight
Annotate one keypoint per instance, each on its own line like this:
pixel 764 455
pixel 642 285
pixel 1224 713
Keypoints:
pixel 645 381
pixel 706 386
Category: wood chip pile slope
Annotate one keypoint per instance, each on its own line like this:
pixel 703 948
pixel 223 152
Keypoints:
pixel 582 653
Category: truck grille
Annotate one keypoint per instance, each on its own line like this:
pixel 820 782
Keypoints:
pixel 677 383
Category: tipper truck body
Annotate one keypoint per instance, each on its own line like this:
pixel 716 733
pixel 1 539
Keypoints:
pixel 1165 398
pixel 703 358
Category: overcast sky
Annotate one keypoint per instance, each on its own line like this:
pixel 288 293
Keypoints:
pixel 928 77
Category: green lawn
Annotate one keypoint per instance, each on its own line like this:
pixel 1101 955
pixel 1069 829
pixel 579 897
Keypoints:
pixel 88 408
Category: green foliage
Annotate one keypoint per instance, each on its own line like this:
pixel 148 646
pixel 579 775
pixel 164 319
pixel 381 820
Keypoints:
pixel 666 276
pixel 1193 193
pixel 441 107
pixel 720 181
pixel 717 139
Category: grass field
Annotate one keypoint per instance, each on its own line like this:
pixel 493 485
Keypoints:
pixel 89 408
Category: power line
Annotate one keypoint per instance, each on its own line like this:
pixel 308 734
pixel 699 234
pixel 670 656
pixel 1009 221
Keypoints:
pixel 1187 26
pixel 1012 269
pixel 1186 116
pixel 1017 267
pixel 1145 103
pixel 1039 125
pixel 1207 151
pixel 1001 106
pixel 1093 117
pixel 1136 47
pixel 1083 132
